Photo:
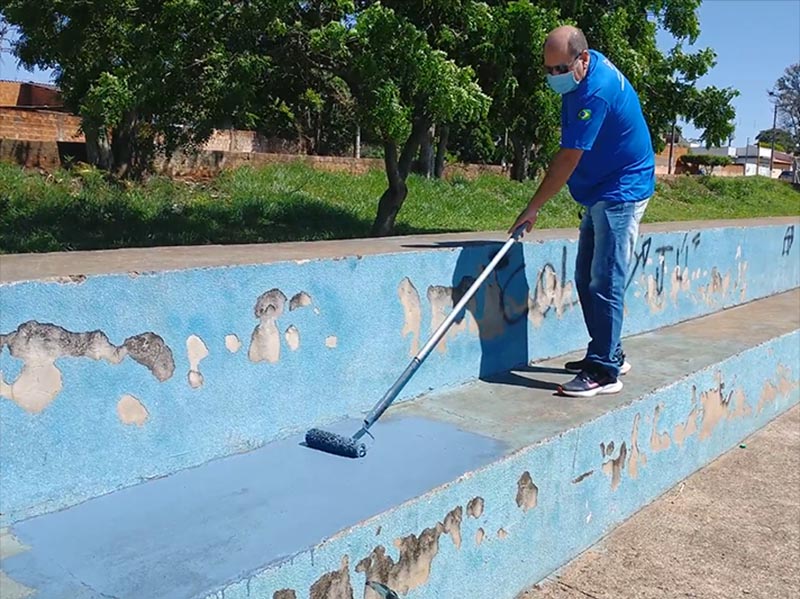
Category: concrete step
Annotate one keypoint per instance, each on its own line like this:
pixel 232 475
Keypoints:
pixel 500 474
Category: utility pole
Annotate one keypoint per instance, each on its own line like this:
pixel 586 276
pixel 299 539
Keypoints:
pixel 774 123
pixel 671 145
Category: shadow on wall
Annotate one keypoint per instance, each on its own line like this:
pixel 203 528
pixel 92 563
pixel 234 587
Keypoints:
pixel 499 308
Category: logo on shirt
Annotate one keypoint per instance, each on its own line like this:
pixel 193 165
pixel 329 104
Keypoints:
pixel 585 114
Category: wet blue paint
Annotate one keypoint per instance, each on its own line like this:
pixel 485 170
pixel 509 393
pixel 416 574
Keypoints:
pixel 202 528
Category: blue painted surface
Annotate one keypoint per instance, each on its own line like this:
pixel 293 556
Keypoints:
pixel 570 515
pixel 77 448
pixel 204 527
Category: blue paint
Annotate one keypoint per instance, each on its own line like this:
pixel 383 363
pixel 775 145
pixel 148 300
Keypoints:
pixel 78 448
pixel 206 527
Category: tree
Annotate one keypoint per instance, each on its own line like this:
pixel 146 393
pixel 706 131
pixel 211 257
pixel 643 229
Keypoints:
pixel 625 31
pixel 402 86
pixel 787 91
pixel 140 72
pixel 783 139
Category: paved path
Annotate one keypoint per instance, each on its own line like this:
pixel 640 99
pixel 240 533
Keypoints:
pixel 731 530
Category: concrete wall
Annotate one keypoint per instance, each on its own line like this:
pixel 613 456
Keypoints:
pixel 502 528
pixel 112 379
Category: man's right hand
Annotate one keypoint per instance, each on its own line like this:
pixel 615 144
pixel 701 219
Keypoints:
pixel 528 216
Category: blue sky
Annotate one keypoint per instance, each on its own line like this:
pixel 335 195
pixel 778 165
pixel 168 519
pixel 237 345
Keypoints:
pixel 755 40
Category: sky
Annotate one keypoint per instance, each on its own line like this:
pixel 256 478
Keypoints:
pixel 755 40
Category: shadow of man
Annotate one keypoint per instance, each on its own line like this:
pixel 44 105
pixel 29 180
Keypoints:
pixel 499 308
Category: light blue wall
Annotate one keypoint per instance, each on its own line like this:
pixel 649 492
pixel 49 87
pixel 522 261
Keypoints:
pixel 77 447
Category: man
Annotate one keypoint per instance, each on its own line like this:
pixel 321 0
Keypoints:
pixel 607 160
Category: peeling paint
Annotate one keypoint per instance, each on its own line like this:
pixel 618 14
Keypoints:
pixel 412 313
pixel 502 534
pixel 614 467
pixel 636 456
pixel 131 411
pixel 232 343
pixel 292 337
pixel 197 351
pixel 299 300
pixel 480 535
pixel 416 553
pixel 658 441
pixel 549 293
pixel 475 507
pixel 333 585
pixel 284 594
pixel 582 477
pixel 452 525
pixel 441 300
pixel 715 407
pixel 527 492
pixel 265 341
pixel 39 345
pixel 689 428
pixel 331 342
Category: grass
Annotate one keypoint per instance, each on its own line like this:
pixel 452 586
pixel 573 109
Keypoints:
pixel 81 209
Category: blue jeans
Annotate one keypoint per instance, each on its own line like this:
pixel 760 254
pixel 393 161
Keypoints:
pixel 608 235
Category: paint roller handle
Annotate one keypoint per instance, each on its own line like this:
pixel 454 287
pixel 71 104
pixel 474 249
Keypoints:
pixel 415 363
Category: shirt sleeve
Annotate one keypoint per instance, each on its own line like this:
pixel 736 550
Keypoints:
pixel 580 129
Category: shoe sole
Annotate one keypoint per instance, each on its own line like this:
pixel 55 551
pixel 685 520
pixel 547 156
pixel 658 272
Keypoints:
pixel 605 390
pixel 624 369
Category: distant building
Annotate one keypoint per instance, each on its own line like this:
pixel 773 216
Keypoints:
pixel 753 158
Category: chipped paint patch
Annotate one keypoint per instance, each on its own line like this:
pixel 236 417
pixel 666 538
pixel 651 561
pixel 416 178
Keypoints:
pixel 688 428
pixel 416 553
pixel 475 507
pixel 715 407
pixel 232 343
pixel 331 342
pixel 480 535
pixel 284 594
pixel 131 411
pixel 441 300
pixel 527 492
pixel 658 441
pixel 265 341
pixel 636 456
pixel 39 345
pixel 613 468
pixel 299 300
pixel 412 313
pixel 502 534
pixel 197 351
pixel 452 525
pixel 292 337
pixel 333 585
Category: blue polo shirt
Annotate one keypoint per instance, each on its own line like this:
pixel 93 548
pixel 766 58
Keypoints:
pixel 603 117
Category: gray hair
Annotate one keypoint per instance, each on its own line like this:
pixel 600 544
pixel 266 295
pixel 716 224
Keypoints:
pixel 577 42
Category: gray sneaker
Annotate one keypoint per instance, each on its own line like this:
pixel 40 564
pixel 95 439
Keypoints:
pixel 588 384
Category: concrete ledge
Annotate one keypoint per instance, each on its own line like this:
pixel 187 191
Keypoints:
pixel 71 266
pixel 496 476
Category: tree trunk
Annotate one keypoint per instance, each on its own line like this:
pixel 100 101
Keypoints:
pixel 397 170
pixel 441 149
pixel 426 155
pixel 519 168
pixel 123 147
pixel 98 149
pixel 392 199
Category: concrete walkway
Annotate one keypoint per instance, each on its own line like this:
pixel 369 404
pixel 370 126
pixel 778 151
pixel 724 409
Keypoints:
pixel 730 530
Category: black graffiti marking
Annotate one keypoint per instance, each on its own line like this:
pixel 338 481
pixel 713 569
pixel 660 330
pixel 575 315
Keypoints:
pixel 788 240
pixel 641 258
pixel 661 269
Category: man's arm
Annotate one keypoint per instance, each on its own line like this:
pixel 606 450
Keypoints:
pixel 561 167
